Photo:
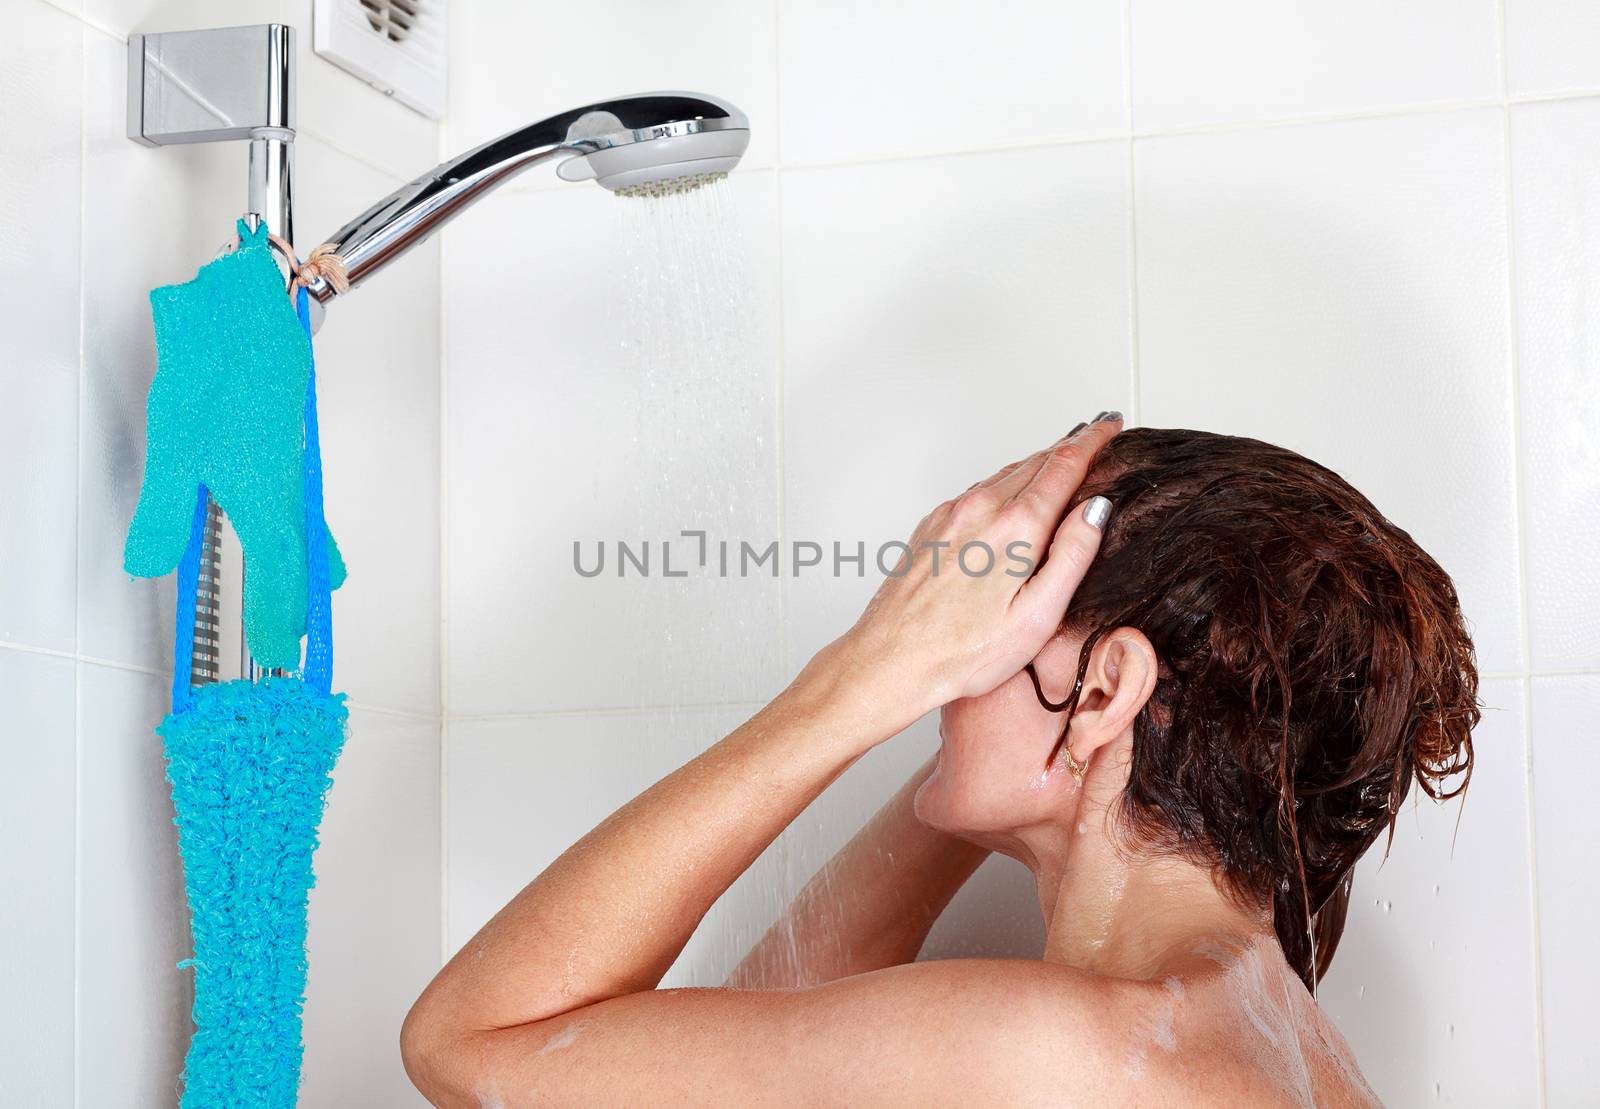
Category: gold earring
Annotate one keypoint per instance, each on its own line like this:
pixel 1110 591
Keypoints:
pixel 1077 769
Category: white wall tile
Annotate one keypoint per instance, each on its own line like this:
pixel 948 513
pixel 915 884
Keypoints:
pixel 610 373
pixel 378 413
pixel 40 196
pixel 1241 60
pixel 1433 981
pixel 863 80
pixel 133 1004
pixel 603 49
pixel 373 940
pixel 1552 45
pixel 1556 223
pixel 37 810
pixel 152 216
pixel 1566 764
pixel 941 319
pixel 520 792
pixel 1341 289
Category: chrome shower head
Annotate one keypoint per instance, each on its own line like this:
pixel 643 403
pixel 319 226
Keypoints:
pixel 652 144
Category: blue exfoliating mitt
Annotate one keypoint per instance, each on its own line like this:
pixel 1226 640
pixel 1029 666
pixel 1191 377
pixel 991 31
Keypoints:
pixel 225 412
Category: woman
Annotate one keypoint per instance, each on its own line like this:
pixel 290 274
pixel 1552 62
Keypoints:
pixel 1189 741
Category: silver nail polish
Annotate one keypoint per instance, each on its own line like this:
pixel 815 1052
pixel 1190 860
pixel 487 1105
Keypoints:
pixel 1096 511
pixel 1107 416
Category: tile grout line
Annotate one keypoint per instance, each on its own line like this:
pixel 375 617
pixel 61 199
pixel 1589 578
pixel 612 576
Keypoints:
pixel 396 176
pixel 1405 111
pixel 1136 382
pixel 83 17
pixel 77 579
pixel 161 672
pixel 780 375
pixel 1517 675
pixel 393 713
pixel 444 577
pixel 77 884
pixel 166 675
pixel 629 710
pixel 1520 503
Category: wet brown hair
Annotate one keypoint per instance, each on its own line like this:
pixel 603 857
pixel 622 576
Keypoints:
pixel 1313 660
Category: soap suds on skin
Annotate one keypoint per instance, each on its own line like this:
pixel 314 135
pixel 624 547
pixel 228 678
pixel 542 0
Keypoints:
pixel 564 1038
pixel 1159 1028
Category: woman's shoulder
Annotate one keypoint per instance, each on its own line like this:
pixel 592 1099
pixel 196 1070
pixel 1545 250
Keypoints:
pixel 1050 1034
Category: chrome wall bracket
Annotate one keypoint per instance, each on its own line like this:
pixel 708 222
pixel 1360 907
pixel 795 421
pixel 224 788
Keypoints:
pixel 224 85
pixel 211 86
pixel 228 84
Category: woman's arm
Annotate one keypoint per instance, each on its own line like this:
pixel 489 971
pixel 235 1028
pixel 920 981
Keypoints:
pixel 582 948
pixel 612 913
pixel 870 907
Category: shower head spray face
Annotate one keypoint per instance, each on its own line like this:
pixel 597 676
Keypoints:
pixel 660 159
pixel 671 186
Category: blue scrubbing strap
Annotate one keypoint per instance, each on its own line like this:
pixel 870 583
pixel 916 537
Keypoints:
pixel 317 668
pixel 188 583
pixel 317 671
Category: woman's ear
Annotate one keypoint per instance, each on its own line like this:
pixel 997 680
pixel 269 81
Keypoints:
pixel 1119 681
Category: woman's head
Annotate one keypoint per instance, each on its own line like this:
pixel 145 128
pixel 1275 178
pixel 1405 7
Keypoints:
pixel 1283 659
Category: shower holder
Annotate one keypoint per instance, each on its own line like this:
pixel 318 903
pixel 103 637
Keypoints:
pixel 211 86
pixel 227 84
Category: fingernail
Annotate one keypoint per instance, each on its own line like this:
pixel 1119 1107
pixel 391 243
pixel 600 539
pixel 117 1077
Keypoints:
pixel 1075 430
pixel 1107 416
pixel 1096 511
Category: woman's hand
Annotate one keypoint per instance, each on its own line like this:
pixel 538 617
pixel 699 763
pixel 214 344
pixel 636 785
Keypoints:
pixel 978 597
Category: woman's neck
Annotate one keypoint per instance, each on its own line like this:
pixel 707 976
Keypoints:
pixel 1123 914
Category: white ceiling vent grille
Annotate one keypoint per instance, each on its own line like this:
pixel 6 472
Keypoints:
pixel 397 46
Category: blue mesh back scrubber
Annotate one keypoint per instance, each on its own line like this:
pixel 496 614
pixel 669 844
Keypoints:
pixel 224 416
pixel 249 766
